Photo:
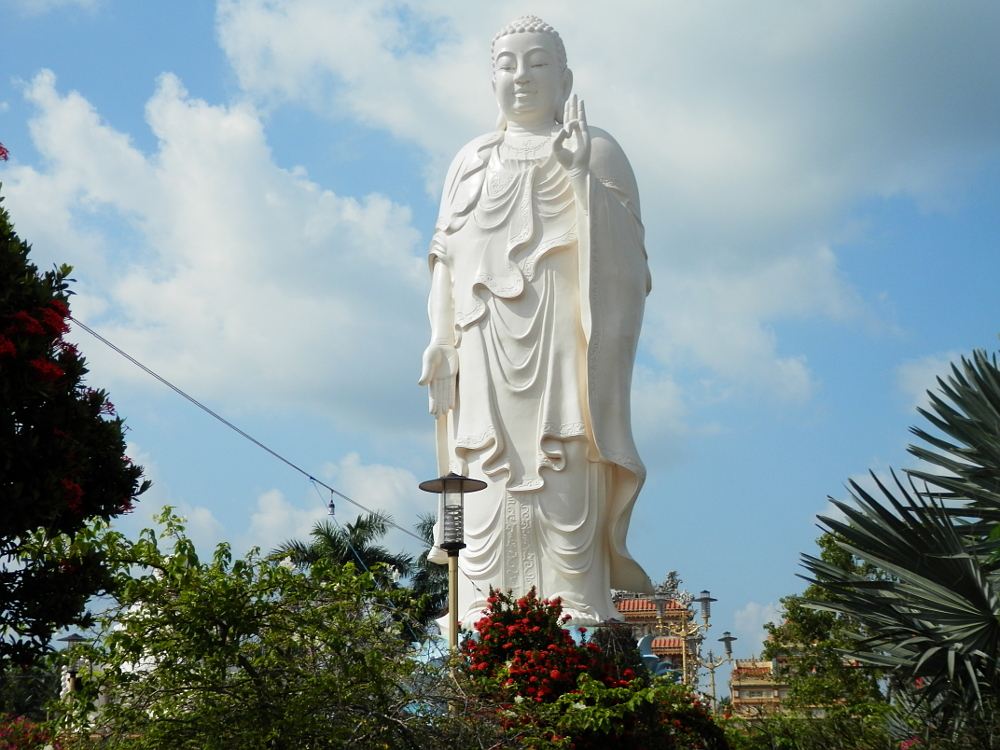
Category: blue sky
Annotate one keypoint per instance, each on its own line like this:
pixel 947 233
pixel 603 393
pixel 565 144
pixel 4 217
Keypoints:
pixel 247 189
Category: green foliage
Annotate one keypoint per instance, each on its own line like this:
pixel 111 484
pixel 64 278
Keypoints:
pixel 839 730
pixel 26 690
pixel 554 692
pixel 62 461
pixel 809 645
pixel 932 618
pixel 252 653
pixel 428 580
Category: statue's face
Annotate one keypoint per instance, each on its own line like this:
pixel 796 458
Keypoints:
pixel 530 85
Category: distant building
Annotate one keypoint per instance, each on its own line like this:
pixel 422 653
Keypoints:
pixel 755 689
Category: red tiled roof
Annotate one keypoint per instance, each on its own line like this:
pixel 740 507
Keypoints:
pixel 741 672
pixel 643 605
pixel 667 643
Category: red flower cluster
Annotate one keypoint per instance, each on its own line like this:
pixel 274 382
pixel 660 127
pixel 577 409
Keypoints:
pixel 72 494
pixel 24 323
pixel 523 644
pixel 18 733
pixel 4 153
pixel 7 348
pixel 46 371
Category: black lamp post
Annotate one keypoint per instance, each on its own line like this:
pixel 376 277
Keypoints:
pixel 451 511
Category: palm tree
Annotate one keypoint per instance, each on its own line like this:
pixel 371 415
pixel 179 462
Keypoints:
pixel 427 578
pixel 353 543
pixel 932 615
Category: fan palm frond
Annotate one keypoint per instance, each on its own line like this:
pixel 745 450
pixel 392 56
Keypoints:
pixel 932 616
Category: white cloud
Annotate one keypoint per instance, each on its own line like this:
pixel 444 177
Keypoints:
pixel 276 520
pixel 916 377
pixel 717 320
pixel 748 625
pixel 381 488
pixel 388 489
pixel 659 417
pixel 245 282
pixel 201 525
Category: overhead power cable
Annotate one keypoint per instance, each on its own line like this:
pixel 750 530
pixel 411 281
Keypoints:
pixel 236 429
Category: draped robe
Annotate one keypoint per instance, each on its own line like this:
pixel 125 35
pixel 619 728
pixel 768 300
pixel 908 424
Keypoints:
pixel 548 290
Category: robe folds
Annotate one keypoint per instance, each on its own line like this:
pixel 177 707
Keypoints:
pixel 548 290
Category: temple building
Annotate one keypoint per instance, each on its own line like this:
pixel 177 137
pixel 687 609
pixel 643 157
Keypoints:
pixel 640 613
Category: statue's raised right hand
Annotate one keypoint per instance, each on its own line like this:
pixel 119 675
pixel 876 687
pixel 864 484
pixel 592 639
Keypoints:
pixel 440 374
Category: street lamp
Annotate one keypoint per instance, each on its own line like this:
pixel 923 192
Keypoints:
pixel 451 510
pixel 73 668
pixel 660 597
pixel 728 639
pixel 705 600
pixel 712 663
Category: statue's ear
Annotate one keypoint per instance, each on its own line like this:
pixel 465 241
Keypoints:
pixel 567 88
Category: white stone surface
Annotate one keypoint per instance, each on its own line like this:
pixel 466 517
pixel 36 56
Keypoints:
pixel 539 279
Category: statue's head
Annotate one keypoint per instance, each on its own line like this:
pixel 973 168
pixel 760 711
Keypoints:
pixel 530 78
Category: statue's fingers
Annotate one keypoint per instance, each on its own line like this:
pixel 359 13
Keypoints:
pixel 560 138
pixel 439 394
pixel 582 114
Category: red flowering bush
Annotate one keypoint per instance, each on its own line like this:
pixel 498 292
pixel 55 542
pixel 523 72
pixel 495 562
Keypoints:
pixel 62 462
pixel 18 733
pixel 556 692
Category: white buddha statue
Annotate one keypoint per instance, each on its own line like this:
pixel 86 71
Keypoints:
pixel 539 279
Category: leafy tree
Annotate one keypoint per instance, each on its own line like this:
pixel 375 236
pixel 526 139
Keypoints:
pixel 933 620
pixel 809 645
pixel 62 461
pixel 256 654
pixel 356 543
pixel 836 731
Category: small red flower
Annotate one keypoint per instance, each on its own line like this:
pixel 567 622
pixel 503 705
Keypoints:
pixel 4 153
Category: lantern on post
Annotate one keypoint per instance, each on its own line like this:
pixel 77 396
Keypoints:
pixel 451 512
pixel 705 600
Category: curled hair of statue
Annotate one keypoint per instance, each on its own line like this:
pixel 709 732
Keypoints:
pixel 528 24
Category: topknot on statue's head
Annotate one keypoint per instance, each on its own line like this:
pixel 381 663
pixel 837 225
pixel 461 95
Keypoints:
pixel 536 24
